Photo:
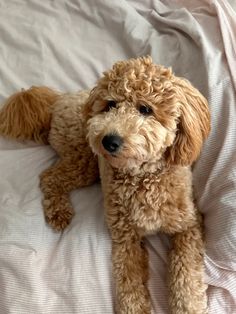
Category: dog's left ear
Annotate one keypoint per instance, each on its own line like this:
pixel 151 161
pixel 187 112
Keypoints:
pixel 88 105
pixel 193 126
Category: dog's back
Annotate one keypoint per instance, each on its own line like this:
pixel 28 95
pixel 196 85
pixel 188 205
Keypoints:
pixel 68 129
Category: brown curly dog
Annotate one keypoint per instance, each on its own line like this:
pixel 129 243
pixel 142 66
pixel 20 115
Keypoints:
pixel 146 126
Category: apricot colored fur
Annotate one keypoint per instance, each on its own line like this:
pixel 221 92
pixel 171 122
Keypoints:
pixel 26 114
pixel 147 183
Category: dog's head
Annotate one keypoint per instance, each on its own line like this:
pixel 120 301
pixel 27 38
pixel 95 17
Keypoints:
pixel 140 113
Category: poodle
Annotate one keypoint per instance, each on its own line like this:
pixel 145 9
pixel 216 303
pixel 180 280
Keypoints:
pixel 139 129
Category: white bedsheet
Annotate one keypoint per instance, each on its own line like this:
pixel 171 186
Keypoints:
pixel 66 44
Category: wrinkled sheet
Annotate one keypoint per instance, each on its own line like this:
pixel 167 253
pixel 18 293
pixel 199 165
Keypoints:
pixel 66 45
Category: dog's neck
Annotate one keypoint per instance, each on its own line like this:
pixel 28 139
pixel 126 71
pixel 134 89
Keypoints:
pixel 156 167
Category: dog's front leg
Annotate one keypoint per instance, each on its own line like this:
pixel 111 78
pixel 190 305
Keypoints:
pixel 130 269
pixel 58 181
pixel 187 288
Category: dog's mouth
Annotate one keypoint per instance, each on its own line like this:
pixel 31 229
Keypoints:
pixel 120 160
pixel 117 152
pixel 111 157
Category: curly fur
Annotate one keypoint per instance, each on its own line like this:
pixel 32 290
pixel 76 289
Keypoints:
pixel 147 183
pixel 27 114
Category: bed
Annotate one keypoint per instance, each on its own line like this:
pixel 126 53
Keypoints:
pixel 66 45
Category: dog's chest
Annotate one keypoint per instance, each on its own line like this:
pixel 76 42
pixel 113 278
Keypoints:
pixel 137 200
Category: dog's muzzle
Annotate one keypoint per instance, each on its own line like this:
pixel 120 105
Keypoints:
pixel 112 143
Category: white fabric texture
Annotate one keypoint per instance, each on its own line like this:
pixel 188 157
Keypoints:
pixel 66 45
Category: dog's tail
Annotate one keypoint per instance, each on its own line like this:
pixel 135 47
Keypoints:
pixel 26 115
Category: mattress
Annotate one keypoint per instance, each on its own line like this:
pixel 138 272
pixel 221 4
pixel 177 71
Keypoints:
pixel 66 45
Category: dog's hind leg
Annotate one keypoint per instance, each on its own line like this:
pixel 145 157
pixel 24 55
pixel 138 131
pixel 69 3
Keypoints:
pixel 69 173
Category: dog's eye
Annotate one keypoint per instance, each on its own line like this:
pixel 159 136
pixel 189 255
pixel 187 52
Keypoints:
pixel 145 110
pixel 110 104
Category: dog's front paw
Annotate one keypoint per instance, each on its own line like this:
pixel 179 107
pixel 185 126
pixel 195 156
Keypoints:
pixel 58 213
pixel 134 303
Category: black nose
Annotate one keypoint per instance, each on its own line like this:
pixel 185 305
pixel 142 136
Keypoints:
pixel 112 143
